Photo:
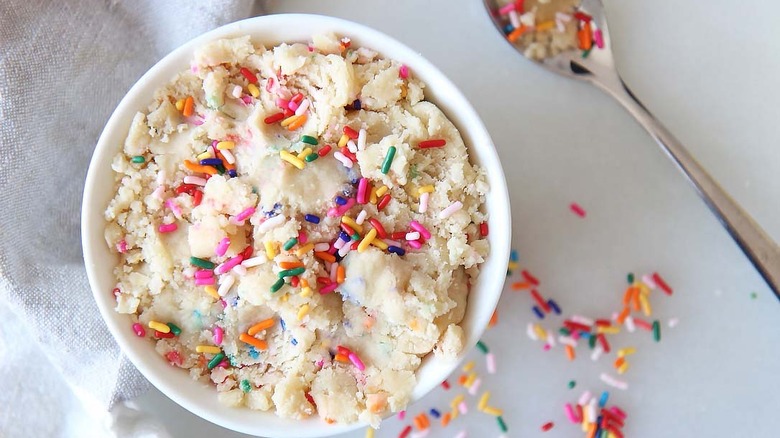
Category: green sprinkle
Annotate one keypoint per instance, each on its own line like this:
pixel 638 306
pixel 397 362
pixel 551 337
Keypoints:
pixel 592 342
pixel 174 329
pixel 355 237
pixel 205 264
pixel 482 347
pixel 564 331
pixel 630 278
pixel 289 273
pixel 656 331
pixel 138 159
pixel 216 360
pixel 753 295
pixel 572 384
pixel 245 386
pixel 388 160
pixel 501 424
pixel 311 157
pixel 585 53
pixel 221 169
pixel 290 243
pixel 308 139
pixel 278 285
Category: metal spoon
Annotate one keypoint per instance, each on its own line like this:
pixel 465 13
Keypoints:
pixel 598 68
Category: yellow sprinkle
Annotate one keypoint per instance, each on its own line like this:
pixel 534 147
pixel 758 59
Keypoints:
pixel 379 243
pixel 269 250
pixel 304 249
pixel 483 401
pixel 623 368
pixel 160 327
pixel 381 191
pixel 492 411
pixel 513 266
pixel 470 380
pixel 643 289
pixel 253 90
pixel 458 398
pixel 223 145
pixel 468 367
pixel 369 432
pixel 373 198
pixel 288 121
pixel 352 224
pixel 304 153
pixel 306 292
pixel 285 297
pixel 370 236
pixel 643 301
pixel 180 104
pixel 425 189
pixel 292 159
pixel 626 351
pixel 546 25
pixel 205 155
pixel 208 349
pixel 454 414
pixel 585 420
pixel 612 330
pixel 303 311
pixel 343 140
pixel 211 290
pixel 540 332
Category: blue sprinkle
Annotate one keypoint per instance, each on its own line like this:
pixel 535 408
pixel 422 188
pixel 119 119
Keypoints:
pixel 294 342
pixel 232 173
pixel 210 161
pixel 538 312
pixel 254 353
pixel 435 413
pixel 284 326
pixel 603 399
pixel 354 181
pixel 312 218
pixel 585 335
pixel 344 236
pixel 396 250
pixel 554 306
pixel 356 104
pixel 513 255
pixel 598 426
pixel 508 29
pixel 340 200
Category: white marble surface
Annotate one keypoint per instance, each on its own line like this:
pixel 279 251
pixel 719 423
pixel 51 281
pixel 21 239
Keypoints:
pixel 709 72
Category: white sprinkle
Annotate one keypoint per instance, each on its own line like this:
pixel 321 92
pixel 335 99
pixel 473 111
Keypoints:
pixel 514 19
pixel 236 91
pixel 303 107
pixel 611 381
pixel 551 339
pixel 361 217
pixel 475 386
pixel 343 159
pixel 361 143
pixel 567 340
pixel 531 332
pixel 271 223
pixel 449 211
pixel 351 146
pixel 226 282
pixel 581 320
pixel 420 434
pixel 344 250
pixel 196 180
pixel 584 398
pixel 414 235
pixel 592 408
pixel 596 354
pixel 229 157
pixel 630 324
pixel 673 322
pixel 161 177
pixel 424 202
pixel 322 246
pixel 648 280
pixel 338 244
pixel 240 270
pixel 259 259
pixel 490 363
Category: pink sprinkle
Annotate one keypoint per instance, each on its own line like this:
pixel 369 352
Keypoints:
pixel 269 85
pixel 222 247
pixel 362 189
pixel 228 265
pixel 244 215
pixel 302 238
pixel 570 414
pixel 246 99
pixel 204 281
pixel 204 273
pixel 599 38
pixel 218 333
pixel 619 412
pixel 418 227
pixel 223 303
pixel 223 364
pixel 491 363
pixel 415 244
pixel 463 408
pixel 333 212
pixel 282 103
pixel 344 208
pixel 293 105
pixel 505 9
pixel 356 361
pixel 139 330
pixel 402 415
pixel 547 347
pixel 403 72
pixel 328 288
pixel 168 228
pixel 579 211
pixel 121 246
pixel 584 398
pixel 173 207
pixel 320 363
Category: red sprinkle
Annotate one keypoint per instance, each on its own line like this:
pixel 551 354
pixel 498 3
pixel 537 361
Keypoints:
pixel 383 202
pixel 404 433
pixel 288 112
pixel 198 198
pixel 445 384
pixel 348 154
pixel 583 17
pixel 186 188
pixel 398 235
pixel 603 341
pixel 603 323
pixel 379 228
pixel 351 133
pixel 273 118
pixel 355 245
pixel 427 144
pixel 343 350
pixel 160 335
pixel 323 280
pixel 579 211
pixel 248 75
pixel 347 229
pixel 661 283
pixel 297 98
pixel 483 229
pixel 324 150
pixel 247 252
pixel 641 323
pixel 530 278
pixel 310 399
pixel 294 281
pixel 547 426
pixel 540 301
pixel 571 325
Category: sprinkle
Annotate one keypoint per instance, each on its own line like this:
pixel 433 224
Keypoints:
pixel 483 400
pixel 251 340
pixel 189 107
pixel 297 123
pixel 248 75
pixel 501 424
pixel 277 285
pixel 482 347
pixel 547 426
pixel 611 381
pixel 208 349
pixel 579 211
pixel 352 224
pixel 396 250
pixel 218 335
pixel 388 160
pixel 292 159
pixel 538 312
pixel 216 360
pixel 328 288
pixel 343 159
pixel 419 227
pixel 362 196
pixel 662 284
pixel 194 180
pixel 138 159
pixel 463 408
pixel 403 71
pixel 225 145
pixel 226 285
pixel 370 236
pixel 301 110
pixel 291 272
pixel 405 432
pixel 570 414
pixel 356 361
pixel 427 144
pixel 211 290
pixel 309 140
pixel 493 411
pixel 290 243
pixel 254 261
pixel 303 311
pixel 361 140
pixel 450 210
pixel 383 202
pixel 138 329
pixel 424 198
pixel 656 331
pixel 554 306
pixel 271 223
pixel 160 327
pixel 273 118
pixel 168 228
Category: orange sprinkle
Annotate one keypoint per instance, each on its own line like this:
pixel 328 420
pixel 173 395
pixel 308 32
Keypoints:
pixel 445 419
pixel 462 379
pixel 260 326
pixel 253 341
pixel 297 123
pixel 290 265
pixel 341 358
pixel 547 25
pixel 194 167
pixel 619 361
pixel 304 283
pixel 330 420
pixel 627 295
pixel 493 319
pixel 225 163
pixel 585 37
pixel 189 106
pixel 520 285
pixel 421 422
pixel 592 430
pixel 340 274
pixel 515 34
pixel 570 352
pixel 635 299
pixel 322 255
pixel 623 315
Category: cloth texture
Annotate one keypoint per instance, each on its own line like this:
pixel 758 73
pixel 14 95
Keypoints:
pixel 64 66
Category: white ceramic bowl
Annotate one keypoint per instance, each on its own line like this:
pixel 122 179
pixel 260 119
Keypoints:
pixel 199 398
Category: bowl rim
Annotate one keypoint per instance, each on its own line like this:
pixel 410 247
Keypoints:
pixel 475 135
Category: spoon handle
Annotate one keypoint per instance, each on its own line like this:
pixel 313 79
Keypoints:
pixel 762 251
